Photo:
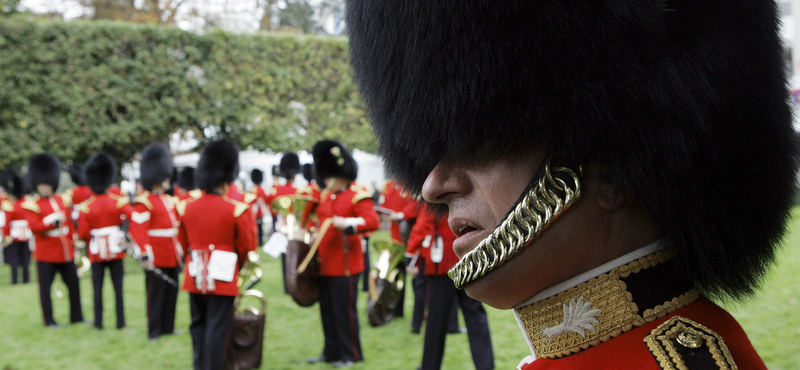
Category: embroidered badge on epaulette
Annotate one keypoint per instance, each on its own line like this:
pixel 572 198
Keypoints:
pixel 29 203
pixel 143 200
pixel 240 209
pixel 682 344
pixel 7 206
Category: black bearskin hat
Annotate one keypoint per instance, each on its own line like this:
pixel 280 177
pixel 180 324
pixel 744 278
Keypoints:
pixel 101 172
pixel 290 165
pixel 77 175
pixel 186 179
pixel 308 172
pixel 44 168
pixel 684 102
pixel 256 176
pixel 12 183
pixel 331 159
pixel 155 166
pixel 219 163
pixel 276 170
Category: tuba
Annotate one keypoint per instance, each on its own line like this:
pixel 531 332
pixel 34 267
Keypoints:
pixel 302 266
pixel 386 281
pixel 250 271
pixel 247 336
pixel 82 262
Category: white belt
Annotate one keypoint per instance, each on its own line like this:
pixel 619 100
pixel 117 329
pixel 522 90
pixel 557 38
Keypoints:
pixel 55 233
pixel 163 233
pixel 104 231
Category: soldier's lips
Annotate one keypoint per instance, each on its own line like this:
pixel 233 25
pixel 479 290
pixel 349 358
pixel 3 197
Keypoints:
pixel 468 239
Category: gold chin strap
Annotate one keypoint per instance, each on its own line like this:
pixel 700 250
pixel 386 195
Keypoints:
pixel 556 190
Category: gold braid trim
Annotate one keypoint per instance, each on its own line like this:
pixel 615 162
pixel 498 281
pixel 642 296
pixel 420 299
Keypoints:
pixel 555 191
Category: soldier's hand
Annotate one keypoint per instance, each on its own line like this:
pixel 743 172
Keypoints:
pixel 338 222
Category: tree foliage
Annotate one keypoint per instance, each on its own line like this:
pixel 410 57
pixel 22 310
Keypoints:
pixel 73 88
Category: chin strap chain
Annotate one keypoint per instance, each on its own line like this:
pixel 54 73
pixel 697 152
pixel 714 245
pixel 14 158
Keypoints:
pixel 554 192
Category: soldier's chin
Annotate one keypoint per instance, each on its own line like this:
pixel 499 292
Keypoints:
pixel 505 286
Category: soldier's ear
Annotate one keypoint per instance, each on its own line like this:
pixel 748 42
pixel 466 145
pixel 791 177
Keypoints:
pixel 609 197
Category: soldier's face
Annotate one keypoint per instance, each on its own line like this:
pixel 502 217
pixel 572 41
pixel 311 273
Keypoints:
pixel 44 190
pixel 479 197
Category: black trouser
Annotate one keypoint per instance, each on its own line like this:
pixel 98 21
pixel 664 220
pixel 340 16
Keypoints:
pixel 212 317
pixel 162 297
pixel 17 254
pixel 98 276
pixel 420 297
pixel 260 228
pixel 443 294
pixel 367 266
pixel 69 274
pixel 337 307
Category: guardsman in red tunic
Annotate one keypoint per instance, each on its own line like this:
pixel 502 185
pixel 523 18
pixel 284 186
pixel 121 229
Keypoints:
pixel 288 168
pixel 51 224
pixel 99 227
pixel 432 237
pixel 311 191
pixel 16 235
pixel 606 186
pixel 216 233
pixel 234 192
pixel 349 211
pixel 257 198
pixel 186 187
pixel 154 228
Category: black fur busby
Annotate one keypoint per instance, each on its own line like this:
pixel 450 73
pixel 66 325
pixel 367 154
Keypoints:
pixel 276 170
pixel 290 165
pixel 77 175
pixel 331 159
pixel 12 183
pixel 219 163
pixel 155 166
pixel 186 179
pixel 44 168
pixel 308 172
pixel 684 102
pixel 256 176
pixel 100 172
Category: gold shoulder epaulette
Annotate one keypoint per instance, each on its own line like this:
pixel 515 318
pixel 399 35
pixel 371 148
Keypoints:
pixel 122 201
pixel 239 208
pixel 324 193
pixel 679 339
pixel 83 207
pixel 361 193
pixel 181 207
pixel 29 203
pixel 196 193
pixel 143 199
pixel 7 206
pixel 250 197
pixel 67 197
pixel 274 190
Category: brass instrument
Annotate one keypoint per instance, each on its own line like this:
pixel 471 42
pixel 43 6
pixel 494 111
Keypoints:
pixel 302 267
pixel 386 281
pixel 82 262
pixel 251 271
pixel 246 348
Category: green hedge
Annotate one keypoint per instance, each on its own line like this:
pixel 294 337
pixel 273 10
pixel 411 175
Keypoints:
pixel 73 88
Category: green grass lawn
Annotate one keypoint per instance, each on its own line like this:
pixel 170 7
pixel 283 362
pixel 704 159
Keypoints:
pixel 293 334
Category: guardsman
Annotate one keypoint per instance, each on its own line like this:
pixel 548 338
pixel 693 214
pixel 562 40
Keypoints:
pixel 403 210
pixel 154 228
pixel 288 168
pixel 216 233
pixel 186 186
pixel 50 222
pixel 16 234
pixel 311 191
pixel 99 226
pixel 610 167
pixel 345 211
pixel 432 237
pixel 257 198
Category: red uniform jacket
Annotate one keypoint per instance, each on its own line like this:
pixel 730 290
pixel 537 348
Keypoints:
pixel 16 225
pixel 234 193
pixel 53 243
pixel 191 195
pixel 629 351
pixel 257 198
pixel 357 207
pixel 394 199
pixel 154 227
pixel 6 208
pixel 312 191
pixel 216 233
pixel 434 240
pixel 277 191
pixel 99 226
pixel 77 195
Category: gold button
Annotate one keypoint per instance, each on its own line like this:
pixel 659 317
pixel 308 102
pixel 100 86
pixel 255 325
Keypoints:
pixel 211 247
pixel 690 340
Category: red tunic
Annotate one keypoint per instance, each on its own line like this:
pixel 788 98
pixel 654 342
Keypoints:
pixel 78 194
pixel 357 207
pixel 16 225
pixel 211 226
pixel 287 189
pixel 234 193
pixel 312 191
pixel 395 200
pixel 257 198
pixel 53 244
pixel 154 227
pixel 434 240
pixel 629 351
pixel 99 226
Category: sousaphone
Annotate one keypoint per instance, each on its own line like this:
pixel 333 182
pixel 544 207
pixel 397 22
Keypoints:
pixel 302 266
pixel 386 281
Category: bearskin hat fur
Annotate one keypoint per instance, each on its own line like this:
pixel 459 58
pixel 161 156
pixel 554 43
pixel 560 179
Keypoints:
pixel 100 172
pixel 331 159
pixel 155 166
pixel 44 168
pixel 12 183
pixel 308 172
pixel 276 170
pixel 219 163
pixel 290 165
pixel 684 102
pixel 256 176
pixel 77 175
pixel 186 179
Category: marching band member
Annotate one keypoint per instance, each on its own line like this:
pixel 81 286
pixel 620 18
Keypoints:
pixel 186 187
pixel 350 211
pixel 258 201
pixel 154 228
pixel 50 222
pixel 432 234
pixel 288 168
pixel 99 226
pixel 609 167
pixel 16 234
pixel 216 233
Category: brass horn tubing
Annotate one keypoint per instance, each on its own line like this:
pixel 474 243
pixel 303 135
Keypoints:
pixel 546 200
